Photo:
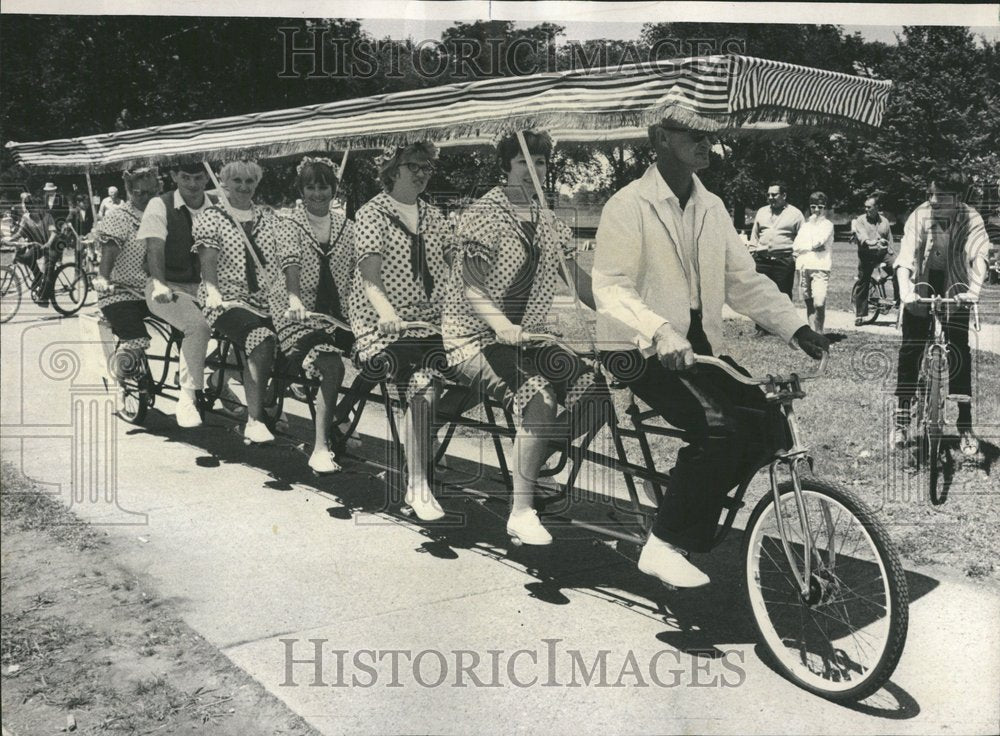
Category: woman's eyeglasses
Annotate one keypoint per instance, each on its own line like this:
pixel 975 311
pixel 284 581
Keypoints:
pixel 419 168
pixel 817 206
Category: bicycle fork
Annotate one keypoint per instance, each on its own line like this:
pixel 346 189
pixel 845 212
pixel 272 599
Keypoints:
pixel 792 458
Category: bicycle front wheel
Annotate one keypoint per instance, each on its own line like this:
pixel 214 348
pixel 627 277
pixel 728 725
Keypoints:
pixel 69 289
pixel 875 295
pixel 10 294
pixel 843 638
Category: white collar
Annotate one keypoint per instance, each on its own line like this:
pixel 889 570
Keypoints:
pixel 179 202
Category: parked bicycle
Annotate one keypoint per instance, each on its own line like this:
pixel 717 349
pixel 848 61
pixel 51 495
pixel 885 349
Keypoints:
pixel 69 285
pixel 879 300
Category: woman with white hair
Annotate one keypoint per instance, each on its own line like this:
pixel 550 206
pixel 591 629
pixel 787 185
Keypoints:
pixel 122 276
pixel 237 248
pixel 403 248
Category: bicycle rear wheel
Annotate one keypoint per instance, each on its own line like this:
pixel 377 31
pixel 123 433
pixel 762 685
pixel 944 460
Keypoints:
pixel 843 639
pixel 69 289
pixel 135 392
pixel 875 296
pixel 10 294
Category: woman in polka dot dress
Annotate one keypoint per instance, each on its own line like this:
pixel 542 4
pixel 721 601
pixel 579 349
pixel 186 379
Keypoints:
pixel 233 289
pixel 501 289
pixel 403 247
pixel 122 276
pixel 316 253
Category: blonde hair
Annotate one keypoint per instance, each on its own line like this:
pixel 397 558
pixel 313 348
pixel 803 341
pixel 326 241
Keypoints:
pixel 137 175
pixel 242 168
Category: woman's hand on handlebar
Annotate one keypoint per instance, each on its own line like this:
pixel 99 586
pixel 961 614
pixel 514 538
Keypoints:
pixel 102 285
pixel 510 335
pixel 296 309
pixel 213 299
pixel 391 326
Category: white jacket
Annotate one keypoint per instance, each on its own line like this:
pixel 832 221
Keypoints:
pixel 640 282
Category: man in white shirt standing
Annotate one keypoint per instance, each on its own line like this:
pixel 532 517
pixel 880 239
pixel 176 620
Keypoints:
pixel 667 259
pixel 110 202
pixel 813 250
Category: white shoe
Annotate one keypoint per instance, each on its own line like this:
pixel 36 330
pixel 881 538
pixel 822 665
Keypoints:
pixel 322 462
pixel 188 416
pixel 424 505
pixel 525 528
pixel 667 563
pixel 257 432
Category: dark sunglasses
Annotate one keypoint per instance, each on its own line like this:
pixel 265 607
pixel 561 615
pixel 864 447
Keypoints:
pixel 696 136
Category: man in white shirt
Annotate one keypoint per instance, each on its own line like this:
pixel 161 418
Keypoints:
pixel 174 275
pixel 111 201
pixel 813 250
pixel 667 259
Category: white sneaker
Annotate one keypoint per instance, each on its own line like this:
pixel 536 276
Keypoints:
pixel 424 505
pixel 322 462
pixel 188 416
pixel 257 432
pixel 525 528
pixel 666 562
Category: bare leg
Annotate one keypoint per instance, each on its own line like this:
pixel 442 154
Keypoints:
pixel 255 377
pixel 332 370
pixel 417 442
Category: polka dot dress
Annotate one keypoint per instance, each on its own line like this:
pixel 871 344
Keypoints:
pixel 376 234
pixel 215 228
pixel 298 246
pixel 120 226
pixel 490 232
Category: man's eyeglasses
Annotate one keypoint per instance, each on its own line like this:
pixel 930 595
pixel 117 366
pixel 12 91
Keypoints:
pixel 419 168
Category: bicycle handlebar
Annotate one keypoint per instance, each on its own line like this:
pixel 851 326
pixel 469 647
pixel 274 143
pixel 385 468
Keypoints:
pixel 757 381
pixel 327 318
pixel 553 339
pixel 950 301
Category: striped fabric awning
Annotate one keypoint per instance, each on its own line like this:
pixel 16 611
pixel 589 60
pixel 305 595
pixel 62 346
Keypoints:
pixel 724 92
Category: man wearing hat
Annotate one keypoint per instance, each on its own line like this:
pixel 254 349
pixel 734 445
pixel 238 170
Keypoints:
pixel 174 275
pixel 112 200
pixel 51 196
pixel 667 260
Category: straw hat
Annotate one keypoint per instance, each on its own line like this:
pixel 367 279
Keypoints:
pixel 50 187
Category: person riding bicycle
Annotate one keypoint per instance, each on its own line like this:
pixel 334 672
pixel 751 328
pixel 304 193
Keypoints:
pixel 316 252
pixel 667 259
pixel 38 227
pixel 506 274
pixel 404 247
pixel 174 274
pixel 122 276
pixel 943 251
pixel 872 235
pixel 237 247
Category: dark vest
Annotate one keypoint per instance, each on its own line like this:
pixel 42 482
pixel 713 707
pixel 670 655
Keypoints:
pixel 181 265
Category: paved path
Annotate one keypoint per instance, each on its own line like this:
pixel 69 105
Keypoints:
pixel 258 556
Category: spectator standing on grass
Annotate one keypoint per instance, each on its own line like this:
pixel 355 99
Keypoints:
pixel 772 236
pixel 813 250
pixel 871 233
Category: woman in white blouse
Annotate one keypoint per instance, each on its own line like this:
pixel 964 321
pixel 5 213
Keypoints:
pixel 403 247
pixel 511 257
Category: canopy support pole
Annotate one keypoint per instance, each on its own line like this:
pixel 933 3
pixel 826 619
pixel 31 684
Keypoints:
pixel 93 207
pixel 562 260
pixel 225 204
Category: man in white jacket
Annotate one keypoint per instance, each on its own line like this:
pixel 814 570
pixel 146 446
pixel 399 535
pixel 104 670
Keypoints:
pixel 667 259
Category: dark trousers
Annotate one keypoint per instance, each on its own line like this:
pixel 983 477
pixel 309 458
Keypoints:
pixel 779 268
pixel 732 433
pixel 916 333
pixel 53 255
pixel 868 259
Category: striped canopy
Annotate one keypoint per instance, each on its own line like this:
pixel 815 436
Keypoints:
pixel 720 93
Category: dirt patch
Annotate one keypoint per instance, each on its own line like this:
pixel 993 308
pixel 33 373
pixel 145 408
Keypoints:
pixel 87 646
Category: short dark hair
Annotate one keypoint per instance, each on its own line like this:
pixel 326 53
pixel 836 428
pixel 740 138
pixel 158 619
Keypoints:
pixel 782 187
pixel 875 196
pixel 949 180
pixel 817 198
pixel 189 168
pixel 315 172
pixel 538 141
